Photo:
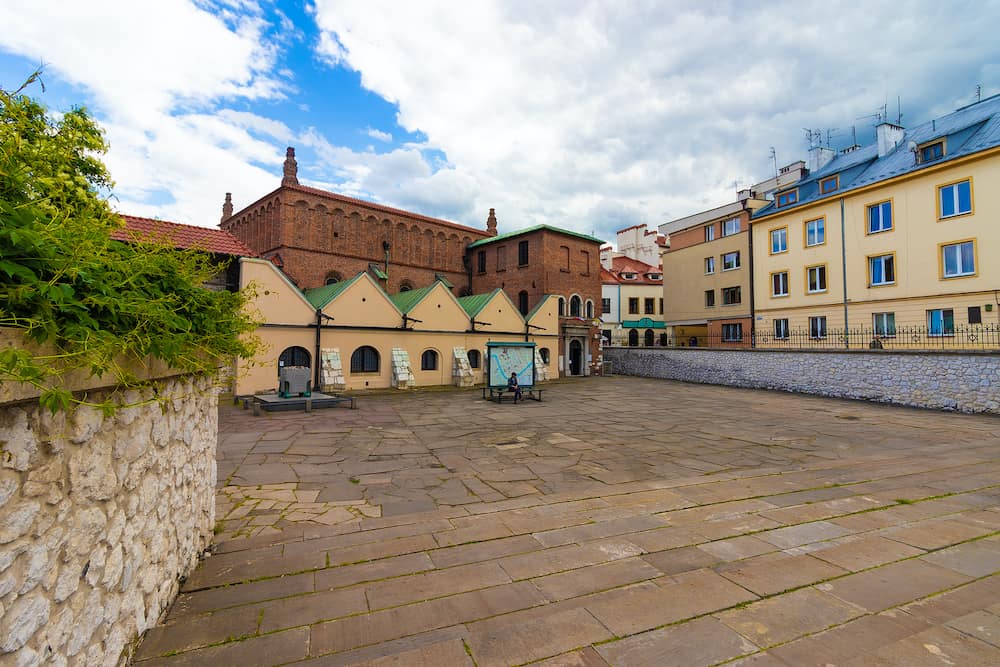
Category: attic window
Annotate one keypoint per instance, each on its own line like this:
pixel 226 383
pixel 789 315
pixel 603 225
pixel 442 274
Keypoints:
pixel 628 276
pixel 829 184
pixel 786 198
pixel 931 152
pixel 654 276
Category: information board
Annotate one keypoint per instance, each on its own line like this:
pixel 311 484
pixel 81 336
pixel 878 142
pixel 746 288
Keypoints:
pixel 507 358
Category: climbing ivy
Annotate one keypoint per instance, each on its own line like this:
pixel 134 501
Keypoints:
pixel 90 302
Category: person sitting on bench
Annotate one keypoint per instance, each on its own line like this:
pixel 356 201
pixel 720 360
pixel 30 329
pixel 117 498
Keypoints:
pixel 514 387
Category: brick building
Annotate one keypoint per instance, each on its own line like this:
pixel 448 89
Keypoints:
pixel 319 237
pixel 533 262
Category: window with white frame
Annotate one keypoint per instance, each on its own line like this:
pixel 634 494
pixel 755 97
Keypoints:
pixel 816 279
pixel 710 233
pixel 881 270
pixel 955 199
pixel 779 283
pixel 781 329
pixel 958 259
pixel 732 333
pixel 884 324
pixel 731 226
pixel 817 327
pixel 880 217
pixel 606 305
pixel 730 261
pixel 779 240
pixel 941 322
pixel 709 265
pixel 816 232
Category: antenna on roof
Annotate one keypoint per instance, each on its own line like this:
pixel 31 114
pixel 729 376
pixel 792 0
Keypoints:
pixel 979 92
pixel 899 111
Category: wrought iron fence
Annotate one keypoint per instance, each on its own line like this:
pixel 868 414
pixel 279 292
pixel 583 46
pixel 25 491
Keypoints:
pixel 968 337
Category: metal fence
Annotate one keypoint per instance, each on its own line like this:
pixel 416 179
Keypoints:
pixel 969 337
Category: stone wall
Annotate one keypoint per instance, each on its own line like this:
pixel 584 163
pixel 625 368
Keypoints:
pixel 100 516
pixel 967 382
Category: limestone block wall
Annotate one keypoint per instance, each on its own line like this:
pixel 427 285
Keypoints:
pixel 966 382
pixel 100 515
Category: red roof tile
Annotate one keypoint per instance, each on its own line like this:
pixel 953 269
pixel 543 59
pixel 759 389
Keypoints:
pixel 182 236
pixel 620 265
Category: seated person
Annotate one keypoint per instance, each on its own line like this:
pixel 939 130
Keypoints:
pixel 514 387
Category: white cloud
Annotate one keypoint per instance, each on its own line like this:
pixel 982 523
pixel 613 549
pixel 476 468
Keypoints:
pixel 378 134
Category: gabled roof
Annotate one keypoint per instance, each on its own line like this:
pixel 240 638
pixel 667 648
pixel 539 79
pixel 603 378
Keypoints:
pixel 968 130
pixel 320 296
pixel 475 303
pixel 538 306
pixel 607 276
pixel 623 264
pixel 181 236
pixel 406 301
pixel 528 230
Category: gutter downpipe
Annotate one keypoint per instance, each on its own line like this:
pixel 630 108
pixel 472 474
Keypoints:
pixel 753 312
pixel 843 269
pixel 317 361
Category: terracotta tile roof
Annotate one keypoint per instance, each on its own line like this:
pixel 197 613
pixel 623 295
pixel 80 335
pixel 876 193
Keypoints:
pixel 183 236
pixel 608 277
pixel 620 265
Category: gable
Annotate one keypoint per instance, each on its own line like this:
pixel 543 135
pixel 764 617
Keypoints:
pixel 501 313
pixel 545 315
pixel 439 311
pixel 363 303
pixel 277 300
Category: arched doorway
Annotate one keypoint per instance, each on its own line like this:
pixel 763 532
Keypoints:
pixel 648 338
pixel 663 340
pixel 575 358
pixel 633 338
pixel 294 356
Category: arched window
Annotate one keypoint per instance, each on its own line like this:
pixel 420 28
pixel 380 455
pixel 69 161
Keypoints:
pixel 294 356
pixel 562 306
pixel 332 277
pixel 544 354
pixel 473 358
pixel 365 360
pixel 647 339
pixel 663 340
pixel 574 306
pixel 590 309
pixel 429 360
pixel 522 302
pixel 633 337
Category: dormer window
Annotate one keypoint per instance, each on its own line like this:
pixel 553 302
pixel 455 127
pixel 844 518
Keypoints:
pixel 654 276
pixel 786 198
pixel 628 276
pixel 829 184
pixel 931 152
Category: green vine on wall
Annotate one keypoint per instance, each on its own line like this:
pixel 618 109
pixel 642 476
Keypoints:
pixel 91 302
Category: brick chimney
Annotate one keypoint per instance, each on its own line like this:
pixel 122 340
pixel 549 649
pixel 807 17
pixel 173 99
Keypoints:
pixel 227 208
pixel 889 136
pixel 491 223
pixel 291 176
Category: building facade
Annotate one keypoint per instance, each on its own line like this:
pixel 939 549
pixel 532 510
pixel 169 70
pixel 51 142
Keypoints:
pixel 887 244
pixel 632 304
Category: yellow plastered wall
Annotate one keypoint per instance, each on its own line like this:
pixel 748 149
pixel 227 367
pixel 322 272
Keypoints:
pixel 439 310
pixel 685 281
pixel 363 303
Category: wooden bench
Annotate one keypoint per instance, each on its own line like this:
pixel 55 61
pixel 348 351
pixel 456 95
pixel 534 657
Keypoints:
pixel 499 393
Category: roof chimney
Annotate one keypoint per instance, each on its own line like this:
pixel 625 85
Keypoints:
pixel 227 208
pixel 291 176
pixel 491 223
pixel 819 157
pixel 889 136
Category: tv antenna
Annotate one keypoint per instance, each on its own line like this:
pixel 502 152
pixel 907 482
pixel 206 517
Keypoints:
pixel 979 92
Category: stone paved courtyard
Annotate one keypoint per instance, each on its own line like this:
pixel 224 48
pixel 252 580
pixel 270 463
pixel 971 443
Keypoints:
pixel 623 521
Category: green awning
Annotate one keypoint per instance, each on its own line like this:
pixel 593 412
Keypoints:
pixel 644 323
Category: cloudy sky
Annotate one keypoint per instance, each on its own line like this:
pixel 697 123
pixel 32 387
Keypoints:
pixel 588 115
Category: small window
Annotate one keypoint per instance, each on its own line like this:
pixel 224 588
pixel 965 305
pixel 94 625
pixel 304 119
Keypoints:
pixel 606 305
pixel 590 309
pixel 710 233
pixel 815 232
pixel 628 276
pixel 522 302
pixel 781 329
pixel 817 327
pixel 473 356
pixel 881 270
pixel 731 226
pixel 955 199
pixel 779 283
pixel 481 261
pixel 941 322
pixel 829 184
pixel 655 276
pixel 932 152
pixel 709 298
pixel 786 198
pixel 732 333
pixel 633 305
pixel 429 360
pixel 880 217
pixel 365 360
pixel 958 259
pixel 709 265
pixel 779 240
pixel 649 306
pixel 816 279
pixel 730 261
pixel 884 324
pixel 605 336
pixel 544 354
pixel 661 306
pixel 522 253
pixel 975 315
pixel 562 307
pixel 730 296
pixel 574 306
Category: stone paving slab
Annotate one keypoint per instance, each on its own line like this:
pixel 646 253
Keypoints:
pixel 435 528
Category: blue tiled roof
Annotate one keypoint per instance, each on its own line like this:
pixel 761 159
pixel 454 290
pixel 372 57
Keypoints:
pixel 968 130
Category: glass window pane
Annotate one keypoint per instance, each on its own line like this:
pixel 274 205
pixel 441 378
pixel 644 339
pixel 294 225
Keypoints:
pixel 968 262
pixel 950 260
pixel 964 197
pixel 948 201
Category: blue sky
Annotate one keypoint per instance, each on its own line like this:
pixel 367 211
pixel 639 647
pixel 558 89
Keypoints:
pixel 584 114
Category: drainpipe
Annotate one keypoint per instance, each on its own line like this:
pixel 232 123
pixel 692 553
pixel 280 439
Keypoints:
pixel 316 358
pixel 843 269
pixel 753 310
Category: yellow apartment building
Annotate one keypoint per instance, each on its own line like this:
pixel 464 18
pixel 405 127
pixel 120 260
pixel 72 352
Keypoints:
pixel 892 242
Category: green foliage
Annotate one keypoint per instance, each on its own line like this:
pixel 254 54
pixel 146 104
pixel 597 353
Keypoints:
pixel 90 301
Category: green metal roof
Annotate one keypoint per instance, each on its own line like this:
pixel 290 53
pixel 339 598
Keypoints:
pixel 475 303
pixel 405 301
pixel 320 296
pixel 531 313
pixel 528 230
